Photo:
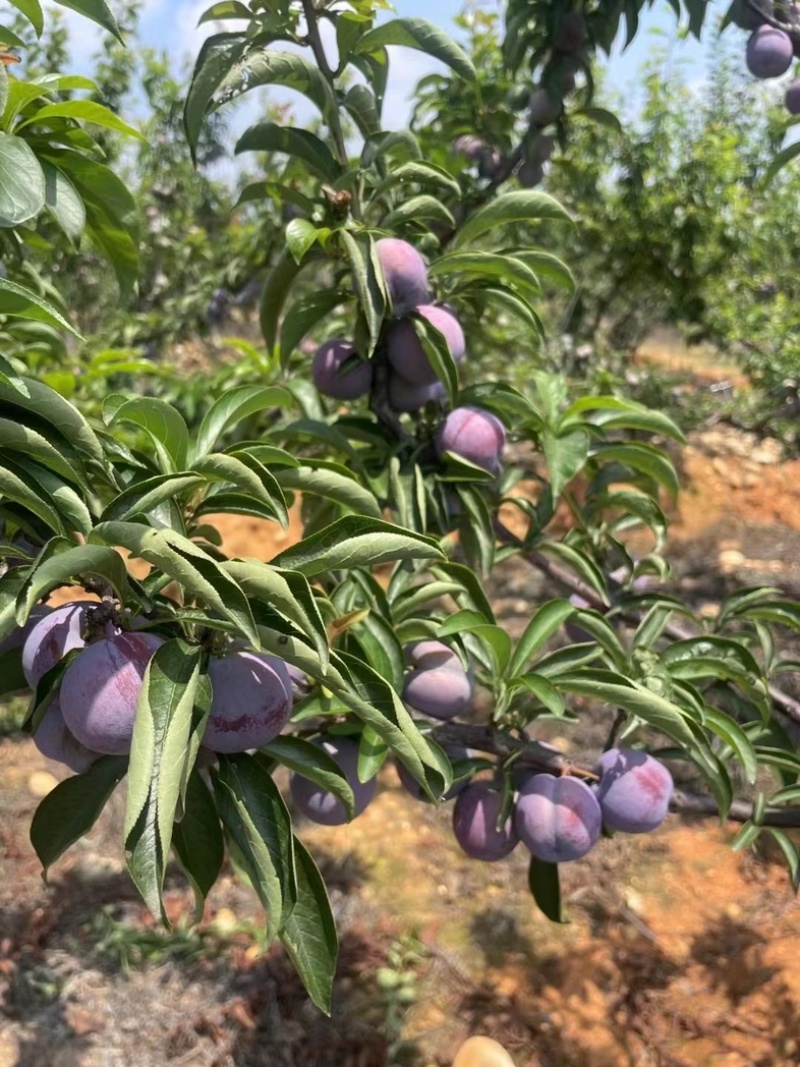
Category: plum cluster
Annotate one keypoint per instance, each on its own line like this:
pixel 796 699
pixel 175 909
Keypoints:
pixel 770 50
pixel 93 711
pixel 559 819
pixel 547 101
pixel 339 372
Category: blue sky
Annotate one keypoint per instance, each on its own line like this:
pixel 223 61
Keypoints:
pixel 172 24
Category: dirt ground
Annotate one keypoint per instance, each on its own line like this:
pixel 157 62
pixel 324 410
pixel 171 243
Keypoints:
pixel 679 953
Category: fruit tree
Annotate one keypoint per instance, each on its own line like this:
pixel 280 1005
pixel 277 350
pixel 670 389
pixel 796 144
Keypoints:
pixel 193 676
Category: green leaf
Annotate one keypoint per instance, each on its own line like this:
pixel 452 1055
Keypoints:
pixel 422 35
pixel 418 173
pixel 544 691
pixel 234 406
pixel 368 279
pixel 82 561
pixel 70 810
pixel 187 564
pixel 339 488
pixel 736 739
pixel 303 315
pixel 263 67
pixel 157 768
pixel 145 497
pixel 544 623
pixel 19 302
pixel 291 141
pixel 495 637
pixel 225 9
pixel 521 205
pixel 300 236
pixel 96 10
pixel 197 839
pixel 309 933
pixel 565 455
pixel 63 202
pixel 639 457
pixel 276 289
pixel 782 159
pixel 49 406
pixel 22 185
pixel 790 853
pixel 88 111
pixel 245 472
pixel 255 817
pixel 613 689
pixel 356 541
pixel 489 265
pixel 422 206
pixel 13 487
pixel 216 58
pixel 361 105
pixel 32 10
pixel 545 888
pixel 161 421
pixel 312 762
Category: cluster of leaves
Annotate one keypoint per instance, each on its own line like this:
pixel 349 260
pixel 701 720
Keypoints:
pixel 378 565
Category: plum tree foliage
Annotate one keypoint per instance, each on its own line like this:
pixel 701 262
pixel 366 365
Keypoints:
pixel 198 680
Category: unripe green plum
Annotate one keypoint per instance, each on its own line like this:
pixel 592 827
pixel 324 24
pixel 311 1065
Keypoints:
pixel 338 372
pixel 100 690
pixel 544 108
pixel 769 52
pixel 57 742
pixel 405 351
pixel 252 701
pixel 792 98
pixel 475 824
pixel 405 274
pixel 558 819
pixel 530 175
pixel 437 684
pixel 634 790
pixel 321 806
pixel 475 435
pixel 59 632
pixel 404 396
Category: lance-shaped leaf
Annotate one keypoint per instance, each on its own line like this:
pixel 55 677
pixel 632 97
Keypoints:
pixel 96 10
pixel 356 541
pixel 186 563
pixel 291 141
pixel 521 205
pixel 215 60
pixel 266 67
pixel 163 424
pixel 312 762
pixel 22 186
pixel 422 35
pixel 19 302
pixel 197 839
pixel 309 934
pixel 70 810
pixel 256 819
pixel 341 489
pixel 544 623
pixel 234 406
pixel 82 561
pixel 157 769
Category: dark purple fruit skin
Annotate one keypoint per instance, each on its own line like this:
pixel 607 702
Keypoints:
pixel 320 806
pixel 403 396
pixel 405 274
pixel 18 637
pixel 475 435
pixel 325 371
pixel 412 786
pixel 530 175
pixel 571 34
pixel 54 740
pixel 558 819
pixel 769 52
pixel 792 98
pixel 58 633
pixel 475 824
pixel 405 351
pixel 442 691
pixel 544 108
pixel 634 790
pixel 100 690
pixel 430 654
pixel 252 701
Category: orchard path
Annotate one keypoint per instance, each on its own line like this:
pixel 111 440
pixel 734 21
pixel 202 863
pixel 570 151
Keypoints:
pixel 679 953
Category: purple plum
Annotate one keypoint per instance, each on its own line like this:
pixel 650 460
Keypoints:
pixel 544 108
pixel 475 435
pixel 792 98
pixel 59 632
pixel 18 637
pixel 405 351
pixel 405 274
pixel 403 396
pixel 412 786
pixel 100 690
pixel 252 701
pixel 558 819
pixel 320 806
pixel 769 52
pixel 331 379
pixel 57 742
pixel 530 175
pixel 634 790
pixel 475 824
pixel 437 684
